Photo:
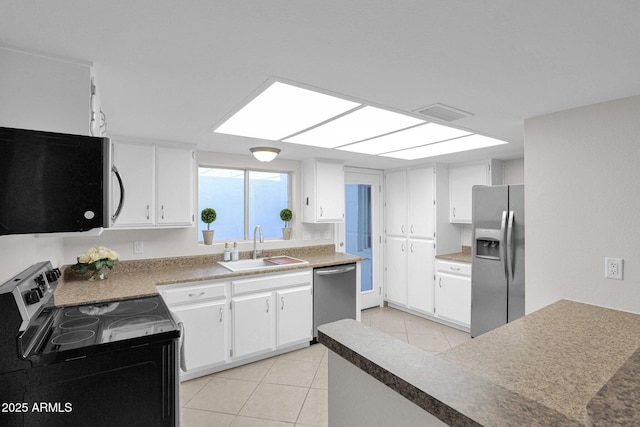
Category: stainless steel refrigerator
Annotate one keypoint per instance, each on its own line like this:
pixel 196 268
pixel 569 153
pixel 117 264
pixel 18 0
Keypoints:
pixel 497 269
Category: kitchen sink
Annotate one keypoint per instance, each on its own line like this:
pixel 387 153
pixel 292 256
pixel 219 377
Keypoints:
pixel 261 263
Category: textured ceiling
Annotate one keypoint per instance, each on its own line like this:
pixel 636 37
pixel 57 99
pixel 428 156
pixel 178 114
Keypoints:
pixel 170 70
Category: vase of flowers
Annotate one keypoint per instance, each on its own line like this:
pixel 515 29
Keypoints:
pixel 94 260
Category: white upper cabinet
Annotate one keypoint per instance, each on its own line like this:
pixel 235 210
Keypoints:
pixel 322 191
pixel 175 170
pixel 421 207
pixel 396 202
pixel 462 178
pixel 44 93
pixel 158 185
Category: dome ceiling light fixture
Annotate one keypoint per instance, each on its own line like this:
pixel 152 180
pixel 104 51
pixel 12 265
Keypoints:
pixel 264 154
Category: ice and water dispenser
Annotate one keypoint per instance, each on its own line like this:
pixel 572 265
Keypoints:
pixel 488 243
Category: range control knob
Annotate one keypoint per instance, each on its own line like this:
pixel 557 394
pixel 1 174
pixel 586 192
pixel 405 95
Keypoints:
pixel 52 275
pixel 31 297
pixel 40 280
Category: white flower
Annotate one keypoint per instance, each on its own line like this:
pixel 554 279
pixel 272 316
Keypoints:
pixel 98 253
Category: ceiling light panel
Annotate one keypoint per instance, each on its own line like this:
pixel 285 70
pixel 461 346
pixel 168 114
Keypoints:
pixel 408 138
pixel 364 123
pixel 282 110
pixel 471 142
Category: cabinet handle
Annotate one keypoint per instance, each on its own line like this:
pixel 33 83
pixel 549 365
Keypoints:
pixel 162 211
pixel 320 211
pixel 454 212
pixel 220 314
pixel 282 306
pixel 411 228
pixel 402 228
pixel 455 268
pixel 440 282
pixel 267 306
pixel 148 212
pixel 196 295
pixel 412 248
pixel 403 247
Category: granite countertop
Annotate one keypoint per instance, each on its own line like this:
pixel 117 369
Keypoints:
pixel 567 364
pixel 463 256
pixel 131 279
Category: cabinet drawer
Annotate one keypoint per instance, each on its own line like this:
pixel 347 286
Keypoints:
pixel 195 293
pixel 460 268
pixel 269 282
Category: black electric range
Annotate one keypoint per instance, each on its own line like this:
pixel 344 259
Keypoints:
pixel 112 363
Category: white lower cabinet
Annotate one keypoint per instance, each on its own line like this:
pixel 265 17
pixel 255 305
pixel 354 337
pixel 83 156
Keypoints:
pixel 230 323
pixel 396 270
pixel 294 323
pixel 420 280
pixel 453 292
pixel 253 326
pixel 202 309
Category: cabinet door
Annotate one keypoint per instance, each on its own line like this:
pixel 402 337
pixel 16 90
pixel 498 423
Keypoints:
pixel 295 312
pixel 396 203
pixel 421 207
pixel 175 169
pixel 253 324
pixel 421 275
pixel 396 270
pixel 453 298
pixel 204 336
pixel 330 191
pixel 461 182
pixel 136 166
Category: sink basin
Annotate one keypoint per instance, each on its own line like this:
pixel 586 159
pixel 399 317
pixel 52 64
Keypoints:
pixel 261 263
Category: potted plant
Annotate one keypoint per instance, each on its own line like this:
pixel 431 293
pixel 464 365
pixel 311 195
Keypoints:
pixel 207 216
pixel 286 215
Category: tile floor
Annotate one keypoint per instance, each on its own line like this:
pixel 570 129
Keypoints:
pixel 291 389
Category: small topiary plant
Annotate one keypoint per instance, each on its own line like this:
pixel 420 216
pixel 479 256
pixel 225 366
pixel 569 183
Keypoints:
pixel 286 215
pixel 207 216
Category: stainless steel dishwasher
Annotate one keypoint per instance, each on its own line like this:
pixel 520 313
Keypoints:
pixel 334 294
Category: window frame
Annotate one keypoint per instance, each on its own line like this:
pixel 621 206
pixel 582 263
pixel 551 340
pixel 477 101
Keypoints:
pixel 246 172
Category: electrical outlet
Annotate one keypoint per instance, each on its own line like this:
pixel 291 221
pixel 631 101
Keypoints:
pixel 613 268
pixel 138 246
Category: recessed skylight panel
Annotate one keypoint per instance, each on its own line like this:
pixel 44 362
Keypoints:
pixel 282 110
pixel 408 138
pixel 471 142
pixel 364 123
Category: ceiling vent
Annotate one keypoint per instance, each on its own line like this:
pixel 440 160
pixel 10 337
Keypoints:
pixel 443 112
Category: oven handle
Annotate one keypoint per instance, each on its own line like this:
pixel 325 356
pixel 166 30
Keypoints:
pixel 181 352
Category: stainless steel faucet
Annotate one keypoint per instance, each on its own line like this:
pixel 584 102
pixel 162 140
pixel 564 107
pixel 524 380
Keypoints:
pixel 255 249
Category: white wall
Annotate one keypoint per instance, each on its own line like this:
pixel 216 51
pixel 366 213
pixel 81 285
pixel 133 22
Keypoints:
pixel 582 170
pixel 160 243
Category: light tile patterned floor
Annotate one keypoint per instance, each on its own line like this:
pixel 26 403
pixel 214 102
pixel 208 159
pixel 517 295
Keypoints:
pixel 291 389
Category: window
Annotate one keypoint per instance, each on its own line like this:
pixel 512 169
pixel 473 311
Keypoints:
pixel 243 199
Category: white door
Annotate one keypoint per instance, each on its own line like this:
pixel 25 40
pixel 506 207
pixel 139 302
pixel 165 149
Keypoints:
pixel 294 315
pixel 175 169
pixel 136 166
pixel 253 324
pixel 361 233
pixel 205 333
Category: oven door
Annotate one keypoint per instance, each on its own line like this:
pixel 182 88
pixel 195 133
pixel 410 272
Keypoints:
pixel 132 386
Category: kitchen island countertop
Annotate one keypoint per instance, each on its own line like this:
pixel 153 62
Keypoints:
pixel 133 279
pixel 566 364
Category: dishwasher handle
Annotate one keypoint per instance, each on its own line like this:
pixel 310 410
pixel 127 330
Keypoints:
pixel 338 270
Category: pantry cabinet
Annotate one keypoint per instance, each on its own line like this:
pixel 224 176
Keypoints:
pixel 157 183
pixel 409 237
pixel 462 178
pixel 453 292
pixel 322 191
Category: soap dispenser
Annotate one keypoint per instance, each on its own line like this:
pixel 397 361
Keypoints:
pixel 226 256
pixel 234 252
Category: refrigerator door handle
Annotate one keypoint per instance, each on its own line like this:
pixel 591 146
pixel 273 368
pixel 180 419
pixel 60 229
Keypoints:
pixel 503 249
pixel 510 247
